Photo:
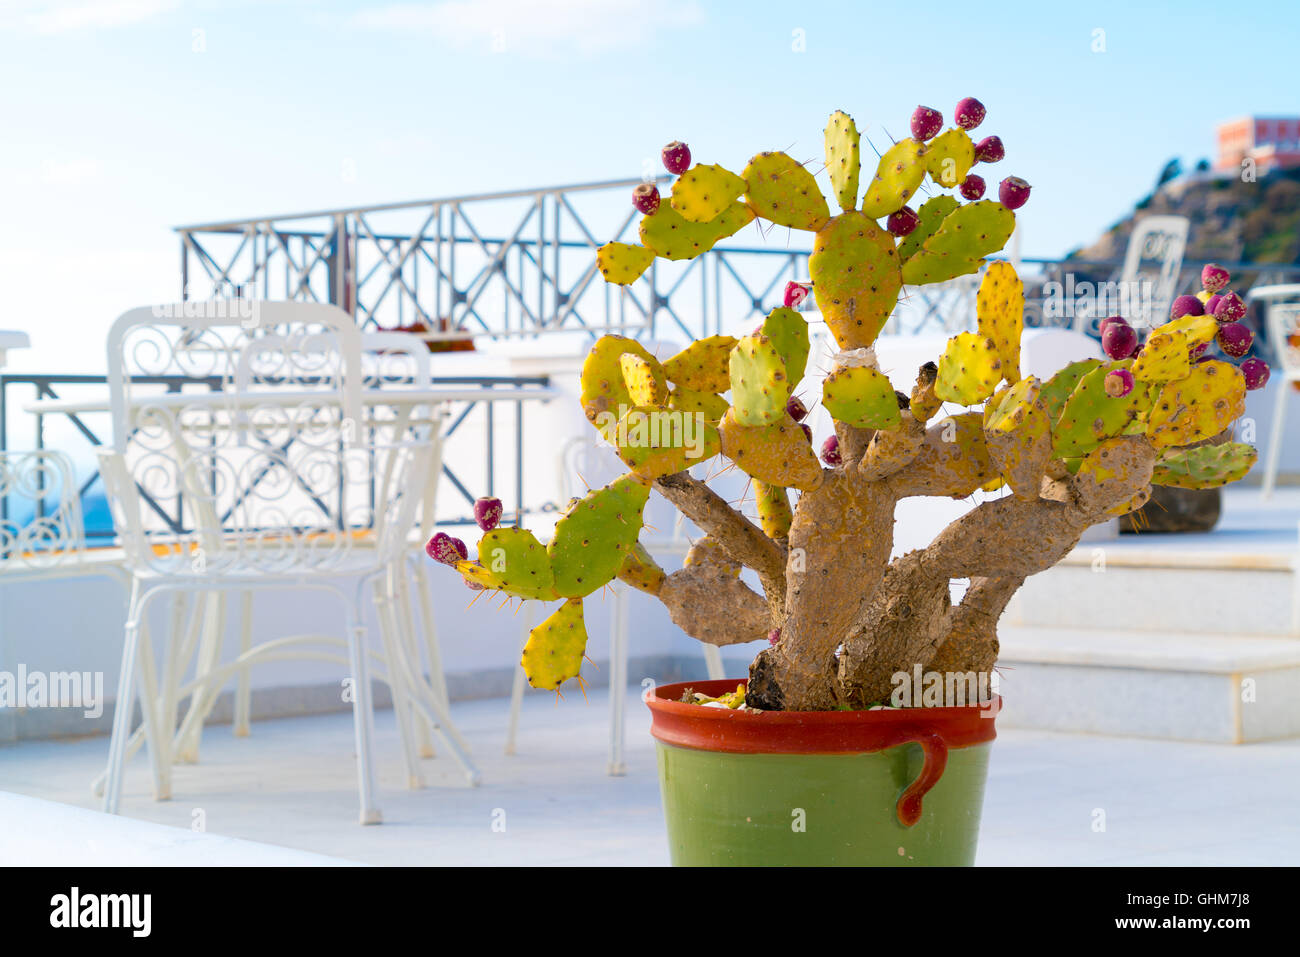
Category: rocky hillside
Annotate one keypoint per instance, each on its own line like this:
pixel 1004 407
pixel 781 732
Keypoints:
pixel 1231 220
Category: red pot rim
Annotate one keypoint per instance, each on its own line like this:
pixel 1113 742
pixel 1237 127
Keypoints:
pixel 807 732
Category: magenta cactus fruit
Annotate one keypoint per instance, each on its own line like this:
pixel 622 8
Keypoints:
pixel 796 293
pixel 1186 306
pixel 1229 308
pixel 1234 339
pixel 676 157
pixel 926 123
pixel 990 150
pixel 972 187
pixel 646 198
pixel 1255 371
pixel 1212 304
pixel 1119 340
pixel 1198 350
pixel 970 113
pixel 487 512
pixel 1214 277
pixel 774 636
pixel 902 222
pixel 1118 383
pixel 1101 326
pixel 831 451
pixel 807 431
pixel 1013 192
pixel 445 549
pixel 796 409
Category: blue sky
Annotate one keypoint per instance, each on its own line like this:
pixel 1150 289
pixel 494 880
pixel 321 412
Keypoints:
pixel 122 118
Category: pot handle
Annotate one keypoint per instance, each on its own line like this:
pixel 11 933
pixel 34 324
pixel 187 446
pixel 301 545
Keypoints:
pixel 936 759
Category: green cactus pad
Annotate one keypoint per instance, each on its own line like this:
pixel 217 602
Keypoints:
pixel 645 380
pixel 969 370
pixel 1090 416
pixel 1019 438
pixel 623 263
pixel 854 269
pixel 759 384
pixel 513 560
pixel 899 173
pixel 1000 308
pixel 654 441
pixel 703 192
pixel 669 235
pixel 789 333
pixel 783 192
pixel 929 218
pixel 704 365
pixel 595 534
pixel 604 394
pixel 1059 387
pixel 774 512
pixel 949 158
pixel 554 650
pixel 1206 466
pixel 861 397
pixel 966 236
pixel 1198 407
pixel 843 160
pixel 778 454
pixel 709 406
pixel 641 571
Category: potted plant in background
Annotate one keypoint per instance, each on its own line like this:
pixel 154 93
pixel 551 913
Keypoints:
pixel 862 733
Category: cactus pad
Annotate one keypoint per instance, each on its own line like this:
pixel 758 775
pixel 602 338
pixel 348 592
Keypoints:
pixel 778 454
pixel 854 268
pixel 774 512
pixel 711 408
pixel 783 192
pixel 1197 407
pixel 703 192
pixel 1019 438
pixel 1059 387
pixel 949 158
pixel 969 370
pixel 641 571
pixel 512 560
pixel 931 216
pixel 654 441
pixel 1000 308
pixel 623 263
pixel 703 365
pixel 759 384
pixel 1206 466
pixel 603 390
pixel 1090 416
pixel 963 239
pixel 554 650
pixel 899 173
pixel 843 159
pixel 861 397
pixel 595 534
pixel 1163 358
pixel 789 333
pixel 645 381
pixel 670 235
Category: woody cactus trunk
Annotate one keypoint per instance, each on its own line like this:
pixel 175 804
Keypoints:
pixel 841 616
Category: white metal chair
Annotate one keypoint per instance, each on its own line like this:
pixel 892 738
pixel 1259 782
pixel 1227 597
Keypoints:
pixel 1283 321
pixel 273 481
pixel 1154 256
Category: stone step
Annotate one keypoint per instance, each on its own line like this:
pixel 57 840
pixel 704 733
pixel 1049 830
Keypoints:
pixel 1220 688
pixel 1164 589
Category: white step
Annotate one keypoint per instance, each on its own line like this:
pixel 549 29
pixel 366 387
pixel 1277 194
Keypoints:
pixel 1191 687
pixel 1164 588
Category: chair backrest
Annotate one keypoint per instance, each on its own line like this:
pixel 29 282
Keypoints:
pixel 41 523
pixel 1149 276
pixel 1283 321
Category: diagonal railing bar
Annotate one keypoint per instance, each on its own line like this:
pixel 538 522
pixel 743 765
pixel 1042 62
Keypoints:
pixel 494 265
pixel 394 275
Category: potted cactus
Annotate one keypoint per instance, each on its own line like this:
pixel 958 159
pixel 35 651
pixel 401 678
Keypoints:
pixel 862 732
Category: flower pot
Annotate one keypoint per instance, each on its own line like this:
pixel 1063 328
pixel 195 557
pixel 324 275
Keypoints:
pixel 887 787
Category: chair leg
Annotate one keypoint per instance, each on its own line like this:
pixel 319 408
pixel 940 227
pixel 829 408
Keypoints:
pixel 363 720
pixel 517 689
pixel 405 623
pixel 204 697
pixel 713 662
pixel 155 699
pixel 125 704
pixel 1275 440
pixel 397 683
pixel 617 683
pixel 241 726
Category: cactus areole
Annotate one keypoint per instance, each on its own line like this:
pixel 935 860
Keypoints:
pixel 1040 460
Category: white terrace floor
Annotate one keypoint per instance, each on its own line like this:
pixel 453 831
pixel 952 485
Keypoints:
pixel 291 784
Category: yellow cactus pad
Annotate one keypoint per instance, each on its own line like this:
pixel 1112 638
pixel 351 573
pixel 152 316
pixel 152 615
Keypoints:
pixel 703 365
pixel 671 236
pixel 1197 407
pixel 778 454
pixel 623 263
pixel 645 380
pixel 774 512
pixel 654 441
pixel 899 173
pixel 1000 308
pixel 861 397
pixel 603 392
pixel 554 650
pixel 641 571
pixel 783 192
pixel 969 370
pixel 949 158
pixel 856 279
pixel 703 192
pixel 843 159
pixel 514 561
pixel 1019 438
pixel 1163 358
pixel 710 407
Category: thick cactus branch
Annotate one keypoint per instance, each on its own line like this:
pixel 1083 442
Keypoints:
pixel 712 605
pixel 972 641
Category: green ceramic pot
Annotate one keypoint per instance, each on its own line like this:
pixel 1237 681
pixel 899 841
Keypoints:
pixel 892 787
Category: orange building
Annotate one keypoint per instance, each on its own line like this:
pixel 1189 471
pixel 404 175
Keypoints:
pixel 1271 141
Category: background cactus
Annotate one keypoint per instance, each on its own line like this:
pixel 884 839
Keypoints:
pixel 1056 456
